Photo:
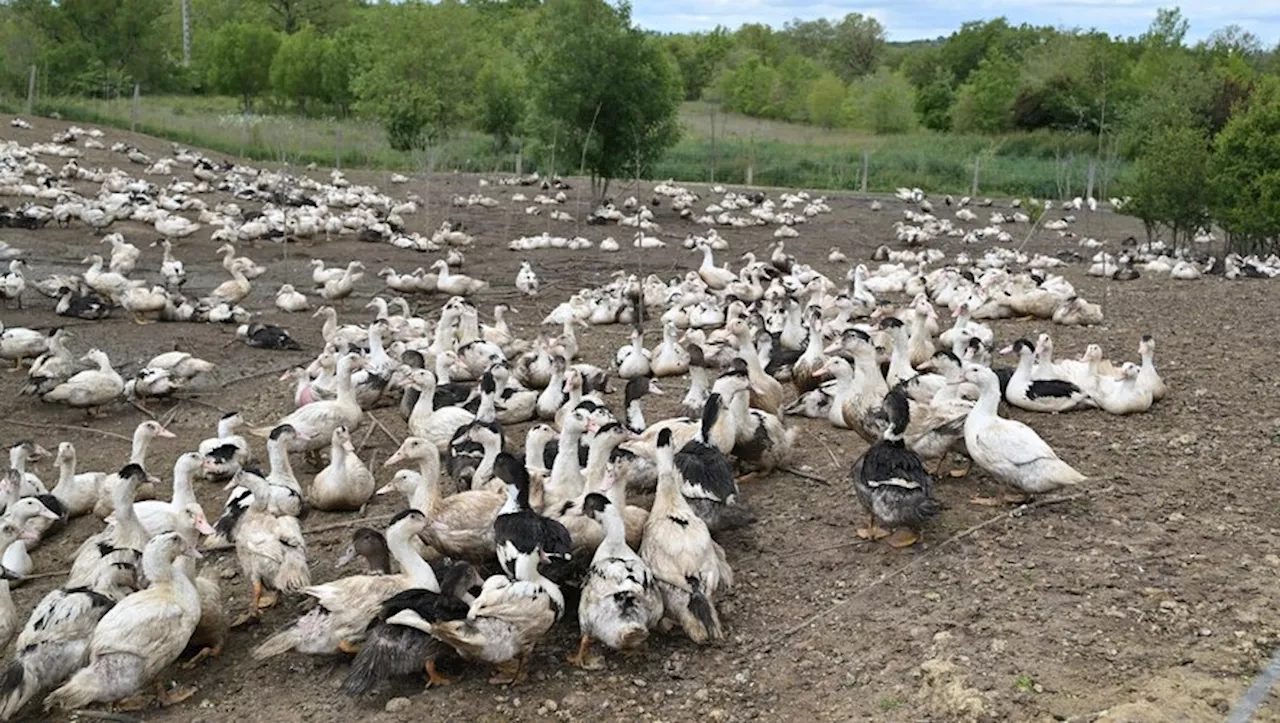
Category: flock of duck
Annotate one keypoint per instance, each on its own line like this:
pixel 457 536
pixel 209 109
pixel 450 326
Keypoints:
pixel 606 510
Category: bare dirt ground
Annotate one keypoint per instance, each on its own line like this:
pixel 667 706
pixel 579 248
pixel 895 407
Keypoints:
pixel 1149 599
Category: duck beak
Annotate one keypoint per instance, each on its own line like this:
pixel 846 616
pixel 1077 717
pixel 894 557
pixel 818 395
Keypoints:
pixel 396 458
pixel 41 452
pixel 348 555
pixel 203 527
pixel 165 434
pixel 386 489
pixel 832 348
pixel 192 552
pixel 927 366
pixel 653 388
pixel 48 514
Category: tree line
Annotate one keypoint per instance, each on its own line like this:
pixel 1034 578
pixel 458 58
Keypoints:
pixel 577 81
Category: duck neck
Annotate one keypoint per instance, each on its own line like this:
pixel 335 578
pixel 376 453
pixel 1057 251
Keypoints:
pixel 159 568
pixel 182 493
pixel 278 458
pixel 566 469
pixel 635 416
pixel 346 390
pixel 487 411
pixel 412 565
pixel 426 495
pixel 18 459
pixel 615 530
pixel 598 460
pixel 66 471
pixel 988 400
pixel 485 469
pixel 141 443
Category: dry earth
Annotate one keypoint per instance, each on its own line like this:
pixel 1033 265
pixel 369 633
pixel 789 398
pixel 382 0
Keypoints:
pixel 1148 599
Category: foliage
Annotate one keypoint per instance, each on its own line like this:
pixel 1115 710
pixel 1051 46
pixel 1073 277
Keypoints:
pixel 826 101
pixel 602 88
pixel 884 103
pixel 1245 172
pixel 698 56
pixel 1169 182
pixel 420 71
pixel 984 104
pixel 240 63
pixel 501 88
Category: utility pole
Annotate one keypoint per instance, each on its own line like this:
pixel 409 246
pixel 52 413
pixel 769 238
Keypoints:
pixel 186 33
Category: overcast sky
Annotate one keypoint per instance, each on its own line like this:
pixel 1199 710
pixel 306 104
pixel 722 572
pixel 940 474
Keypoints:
pixel 917 19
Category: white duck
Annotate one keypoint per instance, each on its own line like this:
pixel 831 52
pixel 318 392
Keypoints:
pixel 346 484
pixel 89 389
pixel 633 359
pixel 526 280
pixel 172 269
pixel 290 300
pixel 124 255
pixel 314 423
pixel 1010 451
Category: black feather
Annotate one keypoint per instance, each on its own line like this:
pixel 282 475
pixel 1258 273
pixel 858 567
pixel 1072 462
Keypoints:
pixel 1051 388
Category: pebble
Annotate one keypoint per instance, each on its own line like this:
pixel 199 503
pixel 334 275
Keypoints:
pixel 717 714
pixel 639 682
pixel 701 694
pixel 550 705
pixel 395 705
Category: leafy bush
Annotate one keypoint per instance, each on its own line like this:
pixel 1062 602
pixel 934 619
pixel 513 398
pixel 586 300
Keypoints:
pixel 1169 186
pixel 241 60
pixel 826 101
pixel 984 103
pixel 1245 172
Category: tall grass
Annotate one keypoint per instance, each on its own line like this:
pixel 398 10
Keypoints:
pixel 777 153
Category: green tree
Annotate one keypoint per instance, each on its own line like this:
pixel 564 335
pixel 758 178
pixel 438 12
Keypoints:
pixel 984 104
pixel 297 70
pixel 1169 186
pixel 933 102
pixel 856 46
pixel 290 16
pixel 240 63
pixel 826 101
pixel 501 87
pixel 698 56
pixel 748 88
pixel 417 75
pixel 602 88
pixel 1245 173
pixel 885 102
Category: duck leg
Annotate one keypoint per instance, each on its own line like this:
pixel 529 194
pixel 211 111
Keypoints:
pixel 348 647
pixel 167 698
pixel 958 473
pixel 255 611
pixel 269 598
pixel 903 537
pixel 872 531
pixel 507 673
pixel 434 678
pixel 199 657
pixel 583 658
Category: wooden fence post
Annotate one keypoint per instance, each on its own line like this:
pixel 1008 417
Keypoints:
pixel 133 111
pixel 750 175
pixel 520 160
pixel 337 159
pixel 973 190
pixel 866 163
pixel 31 91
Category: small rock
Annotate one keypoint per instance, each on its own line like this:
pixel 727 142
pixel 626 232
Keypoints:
pixel 639 682
pixel 551 705
pixel 701 695
pixel 717 714
pixel 1177 517
pixel 396 705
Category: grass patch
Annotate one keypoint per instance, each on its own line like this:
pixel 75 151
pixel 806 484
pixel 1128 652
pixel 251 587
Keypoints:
pixel 1024 683
pixel 768 153
pixel 888 704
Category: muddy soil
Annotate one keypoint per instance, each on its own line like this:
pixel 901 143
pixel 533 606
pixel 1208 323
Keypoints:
pixel 1151 597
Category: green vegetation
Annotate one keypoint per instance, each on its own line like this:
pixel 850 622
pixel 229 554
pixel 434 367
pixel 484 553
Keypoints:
pixel 1024 683
pixel 573 86
pixel 888 704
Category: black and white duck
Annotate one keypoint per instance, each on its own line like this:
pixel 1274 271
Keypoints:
pixel 892 483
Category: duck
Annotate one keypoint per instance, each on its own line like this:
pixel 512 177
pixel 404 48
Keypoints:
pixel 244 264
pixel 78 494
pixel 346 606
pixel 1041 395
pixel 1125 394
pixel 290 300
pixel 85 305
pixel 314 423
pixel 172 269
pixel 1010 451
pixel 343 286
pixel 13 283
pixel 271 550
pixel 53 367
pixel 804 374
pixel 397 650
pixel 18 344
pixel 158 516
pixel 233 290
pixel 689 566
pixel 636 390
pixel 519 531
pixel 1147 374
pixel 283 488
pixel 54 643
pixel 181 365
pixel 670 359
pixel 699 382
pixel 633 359
pixel 10 532
pixel 125 535
pixel 503 624
pixel 436 425
pixel 766 392
pixel 142 634
pixel 124 255
pixel 266 336
pixel 107 283
pixel 143 435
pixel 36 514
pixel 21 454
pixel 760 438
pixel 527 280
pixel 620 601
pixel 1075 311
pixel 461 525
pixel 715 277
pixel 226 435
pixel 891 482
pixel 89 389
pixel 457 284
pixel 370 545
pixel 139 300
pixel 321 276
pixel 346 484
pixel 836 256
pixel 860 389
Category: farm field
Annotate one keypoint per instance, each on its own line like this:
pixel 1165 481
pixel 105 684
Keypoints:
pixel 1149 596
